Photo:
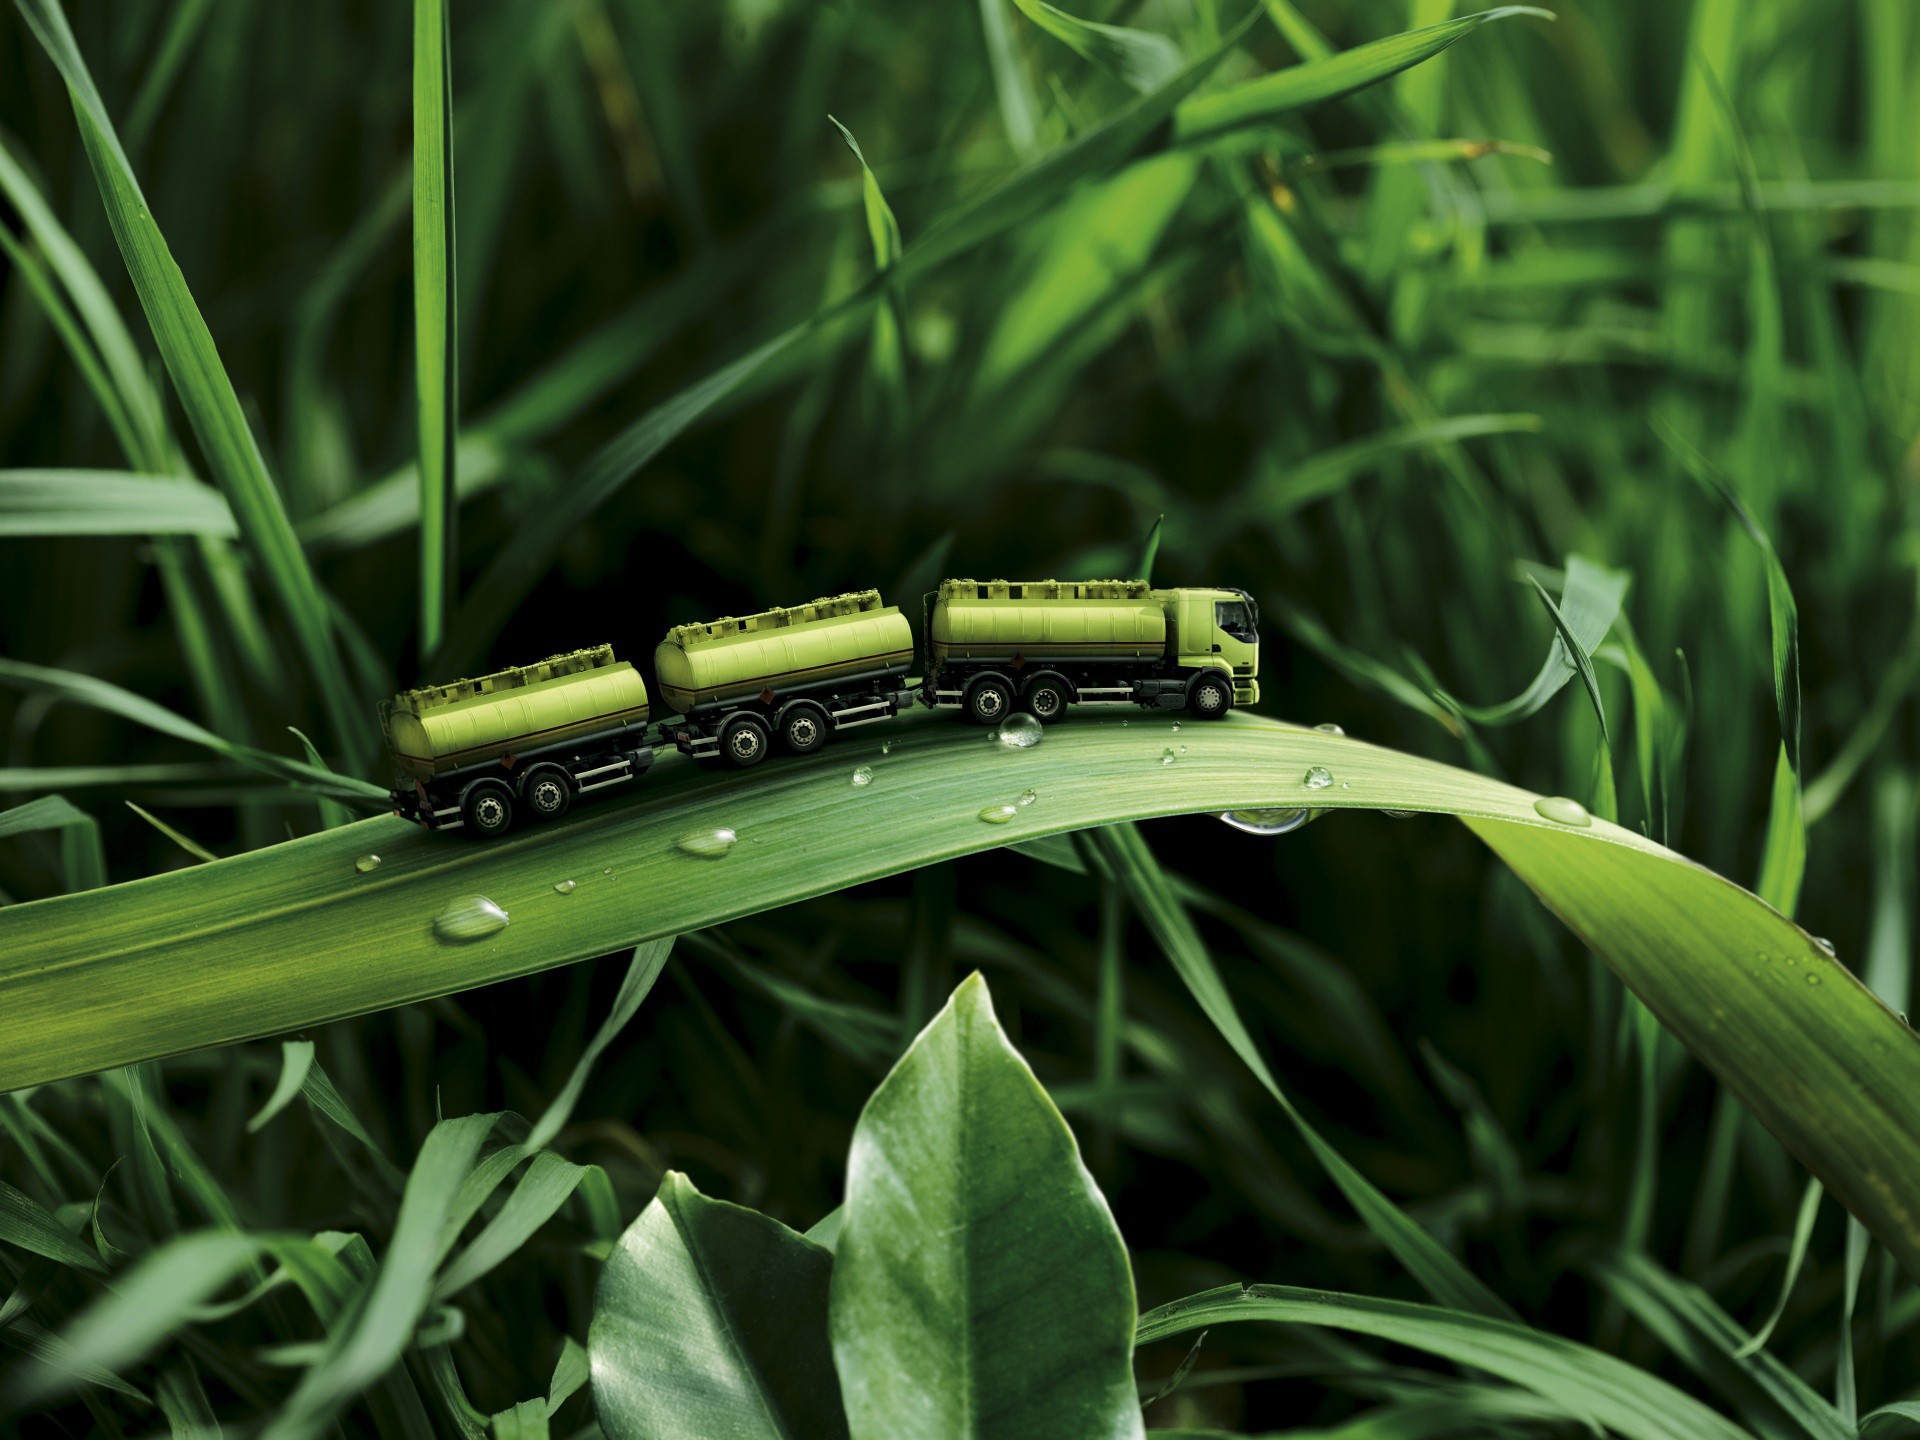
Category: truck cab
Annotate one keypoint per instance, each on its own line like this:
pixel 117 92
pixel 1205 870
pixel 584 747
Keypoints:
pixel 1217 629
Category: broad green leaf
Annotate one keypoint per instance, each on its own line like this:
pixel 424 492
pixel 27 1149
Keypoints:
pixel 711 1320
pixel 1328 78
pixel 1143 59
pixel 1629 1402
pixel 108 502
pixel 300 937
pixel 980 1286
pixel 1440 1273
pixel 206 394
pixel 436 313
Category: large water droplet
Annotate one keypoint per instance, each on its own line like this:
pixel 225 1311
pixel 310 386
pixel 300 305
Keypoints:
pixel 708 844
pixel 863 776
pixel 367 864
pixel 998 814
pixel 1327 727
pixel 564 887
pixel 1166 756
pixel 1027 797
pixel 1317 778
pixel 1562 811
pixel 470 918
pixel 1020 732
pixel 1267 822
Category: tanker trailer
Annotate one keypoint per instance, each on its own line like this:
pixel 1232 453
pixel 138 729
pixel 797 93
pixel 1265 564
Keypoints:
pixel 1042 645
pixel 524 740
pixel 799 673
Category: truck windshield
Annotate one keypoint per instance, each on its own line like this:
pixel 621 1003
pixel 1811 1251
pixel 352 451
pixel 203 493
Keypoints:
pixel 1236 618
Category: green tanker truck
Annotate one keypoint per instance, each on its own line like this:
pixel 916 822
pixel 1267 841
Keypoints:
pixel 520 741
pixel 1042 645
pixel 797 673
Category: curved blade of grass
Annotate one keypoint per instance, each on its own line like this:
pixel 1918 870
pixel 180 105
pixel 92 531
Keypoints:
pixel 29 1225
pixel 1629 1402
pixel 1278 489
pixel 435 315
pixel 109 502
pixel 1327 78
pixel 1141 58
pixel 1590 598
pixel 81 855
pixel 293 935
pixel 296 1059
pixel 205 391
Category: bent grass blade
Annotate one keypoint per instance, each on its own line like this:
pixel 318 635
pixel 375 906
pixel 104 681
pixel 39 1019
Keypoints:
pixel 294 936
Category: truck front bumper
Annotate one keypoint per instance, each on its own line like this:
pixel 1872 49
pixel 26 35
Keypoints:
pixel 1246 692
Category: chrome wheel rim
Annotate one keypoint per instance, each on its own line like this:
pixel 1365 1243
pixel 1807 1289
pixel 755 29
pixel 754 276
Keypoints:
pixel 548 796
pixel 489 812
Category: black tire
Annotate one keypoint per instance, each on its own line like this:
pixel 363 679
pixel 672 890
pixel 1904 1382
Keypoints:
pixel 803 729
pixel 1210 697
pixel 989 700
pixel 1047 700
pixel 743 741
pixel 487 807
pixel 547 792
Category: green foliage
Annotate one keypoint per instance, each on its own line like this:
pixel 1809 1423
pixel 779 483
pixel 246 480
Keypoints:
pixel 1387 355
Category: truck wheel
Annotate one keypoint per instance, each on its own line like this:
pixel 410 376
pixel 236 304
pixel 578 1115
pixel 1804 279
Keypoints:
pixel 547 792
pixel 1047 701
pixel 989 700
pixel 743 741
pixel 803 730
pixel 487 807
pixel 1210 697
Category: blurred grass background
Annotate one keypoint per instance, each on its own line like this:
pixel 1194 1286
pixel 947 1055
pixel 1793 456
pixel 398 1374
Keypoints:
pixel 1365 363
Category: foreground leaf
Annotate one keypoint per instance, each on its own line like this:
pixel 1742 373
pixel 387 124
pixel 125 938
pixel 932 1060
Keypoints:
pixel 711 1320
pixel 980 1286
pixel 297 936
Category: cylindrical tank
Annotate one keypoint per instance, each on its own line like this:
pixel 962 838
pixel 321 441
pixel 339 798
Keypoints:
pixel 781 650
pixel 443 727
pixel 1046 620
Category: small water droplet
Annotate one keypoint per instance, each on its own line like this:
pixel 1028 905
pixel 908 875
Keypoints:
pixel 564 887
pixel 1327 727
pixel 470 918
pixel 886 747
pixel 1793 959
pixel 1020 732
pixel 708 844
pixel 1345 786
pixel 1027 797
pixel 607 871
pixel 367 864
pixel 1181 751
pixel 997 814
pixel 1317 778
pixel 1562 811
pixel 1166 756
pixel 1825 944
pixel 1399 814
pixel 1905 1021
pixel 1813 979
pixel 863 776
pixel 1176 727
pixel 1266 822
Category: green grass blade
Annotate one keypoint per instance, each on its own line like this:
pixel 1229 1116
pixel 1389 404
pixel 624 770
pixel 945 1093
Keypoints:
pixel 1629 1402
pixel 1440 1273
pixel 81 855
pixel 300 937
pixel 296 1060
pixel 205 392
pixel 185 842
pixel 1590 598
pixel 435 316
pixel 645 967
pixel 1141 58
pixel 1277 488
pixel 109 502
pixel 28 1225
pixel 1796 1256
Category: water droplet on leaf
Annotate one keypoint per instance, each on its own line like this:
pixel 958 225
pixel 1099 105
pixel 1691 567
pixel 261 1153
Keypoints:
pixel 997 814
pixel 1166 756
pixel 1825 944
pixel 470 918
pixel 1176 727
pixel 1266 822
pixel 708 844
pixel 564 887
pixel 367 864
pixel 1020 732
pixel 1399 814
pixel 863 776
pixel 1562 811
pixel 886 747
pixel 1027 797
pixel 1327 727
pixel 1317 778
pixel 1813 979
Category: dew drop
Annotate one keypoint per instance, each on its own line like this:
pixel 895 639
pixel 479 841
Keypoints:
pixel 1266 822
pixel 708 844
pixel 1399 814
pixel 1317 778
pixel 886 747
pixel 1027 797
pixel 1825 944
pixel 564 887
pixel 863 776
pixel 1562 811
pixel 1327 727
pixel 607 871
pixel 470 918
pixel 1176 727
pixel 1166 756
pixel 1813 979
pixel 1181 751
pixel 998 814
pixel 1020 732
pixel 367 864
